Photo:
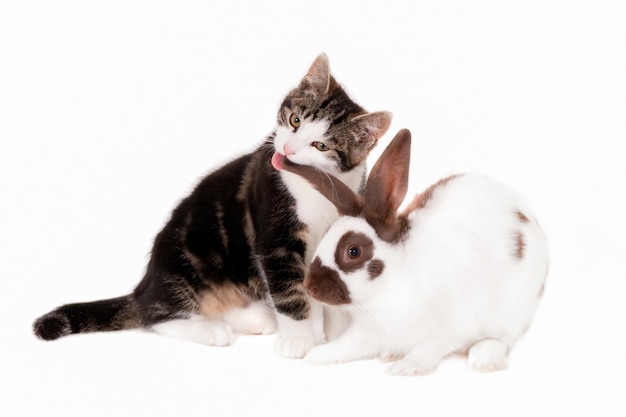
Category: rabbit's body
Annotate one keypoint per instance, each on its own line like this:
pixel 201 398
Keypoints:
pixel 461 270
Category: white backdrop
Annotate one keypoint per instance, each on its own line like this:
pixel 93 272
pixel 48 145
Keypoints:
pixel 111 111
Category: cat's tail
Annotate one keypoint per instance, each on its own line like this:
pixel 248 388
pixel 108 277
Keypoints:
pixel 119 313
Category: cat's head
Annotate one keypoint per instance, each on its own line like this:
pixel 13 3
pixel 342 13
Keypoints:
pixel 320 126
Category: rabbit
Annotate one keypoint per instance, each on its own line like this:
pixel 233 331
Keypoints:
pixel 460 269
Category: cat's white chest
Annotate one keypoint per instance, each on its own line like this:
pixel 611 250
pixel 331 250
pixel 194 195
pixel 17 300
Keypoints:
pixel 312 208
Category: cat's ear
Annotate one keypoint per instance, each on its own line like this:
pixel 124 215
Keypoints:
pixel 318 77
pixel 369 127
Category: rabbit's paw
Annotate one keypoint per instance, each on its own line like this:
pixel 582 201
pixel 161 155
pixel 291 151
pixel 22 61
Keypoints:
pixel 408 367
pixel 389 356
pixel 487 356
pixel 293 347
pixel 322 355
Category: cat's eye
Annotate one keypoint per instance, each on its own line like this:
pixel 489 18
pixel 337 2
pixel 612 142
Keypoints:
pixel 294 121
pixel 354 252
pixel 320 146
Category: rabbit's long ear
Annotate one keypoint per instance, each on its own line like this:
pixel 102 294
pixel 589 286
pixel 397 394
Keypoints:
pixel 348 203
pixel 386 188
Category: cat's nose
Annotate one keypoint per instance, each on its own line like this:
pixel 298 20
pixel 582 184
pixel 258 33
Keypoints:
pixel 288 150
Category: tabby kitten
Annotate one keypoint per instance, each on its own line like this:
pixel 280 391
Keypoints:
pixel 235 251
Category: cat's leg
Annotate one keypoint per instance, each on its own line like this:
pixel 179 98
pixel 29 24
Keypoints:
pixel 281 260
pixel 257 318
pixel 294 312
pixel 199 329
pixel 487 355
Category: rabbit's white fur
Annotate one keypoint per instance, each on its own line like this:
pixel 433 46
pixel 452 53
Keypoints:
pixel 466 275
pixel 452 284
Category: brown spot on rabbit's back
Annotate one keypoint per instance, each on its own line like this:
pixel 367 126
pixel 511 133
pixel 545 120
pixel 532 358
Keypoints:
pixel 521 216
pixel 519 243
pixel 420 200
pixel 519 240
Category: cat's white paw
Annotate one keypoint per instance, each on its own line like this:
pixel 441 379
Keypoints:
pixel 408 367
pixel 198 329
pixel 322 355
pixel 260 327
pixel 295 337
pixel 293 347
pixel 219 335
pixel 487 356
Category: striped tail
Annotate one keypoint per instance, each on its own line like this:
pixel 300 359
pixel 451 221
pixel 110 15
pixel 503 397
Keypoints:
pixel 98 316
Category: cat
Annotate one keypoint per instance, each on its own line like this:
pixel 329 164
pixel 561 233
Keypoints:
pixel 233 256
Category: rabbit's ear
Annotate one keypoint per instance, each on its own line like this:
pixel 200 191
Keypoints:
pixel 348 203
pixel 386 188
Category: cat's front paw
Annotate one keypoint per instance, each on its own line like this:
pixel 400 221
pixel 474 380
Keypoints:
pixel 293 347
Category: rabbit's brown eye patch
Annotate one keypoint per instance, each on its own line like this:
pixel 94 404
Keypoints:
pixel 353 251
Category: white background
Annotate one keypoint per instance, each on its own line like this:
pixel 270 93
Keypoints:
pixel 110 112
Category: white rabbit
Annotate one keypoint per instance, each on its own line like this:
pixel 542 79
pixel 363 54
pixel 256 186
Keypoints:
pixel 460 270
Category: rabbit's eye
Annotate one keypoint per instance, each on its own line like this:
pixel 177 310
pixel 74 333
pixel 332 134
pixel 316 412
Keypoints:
pixel 354 252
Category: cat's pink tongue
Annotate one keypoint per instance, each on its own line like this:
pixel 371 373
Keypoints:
pixel 277 161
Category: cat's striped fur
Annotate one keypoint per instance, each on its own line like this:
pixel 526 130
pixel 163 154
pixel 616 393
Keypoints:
pixel 235 250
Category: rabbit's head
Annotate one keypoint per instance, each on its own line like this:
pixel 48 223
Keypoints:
pixel 352 259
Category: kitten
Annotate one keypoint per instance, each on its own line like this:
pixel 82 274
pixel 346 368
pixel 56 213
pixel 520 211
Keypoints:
pixel 233 256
